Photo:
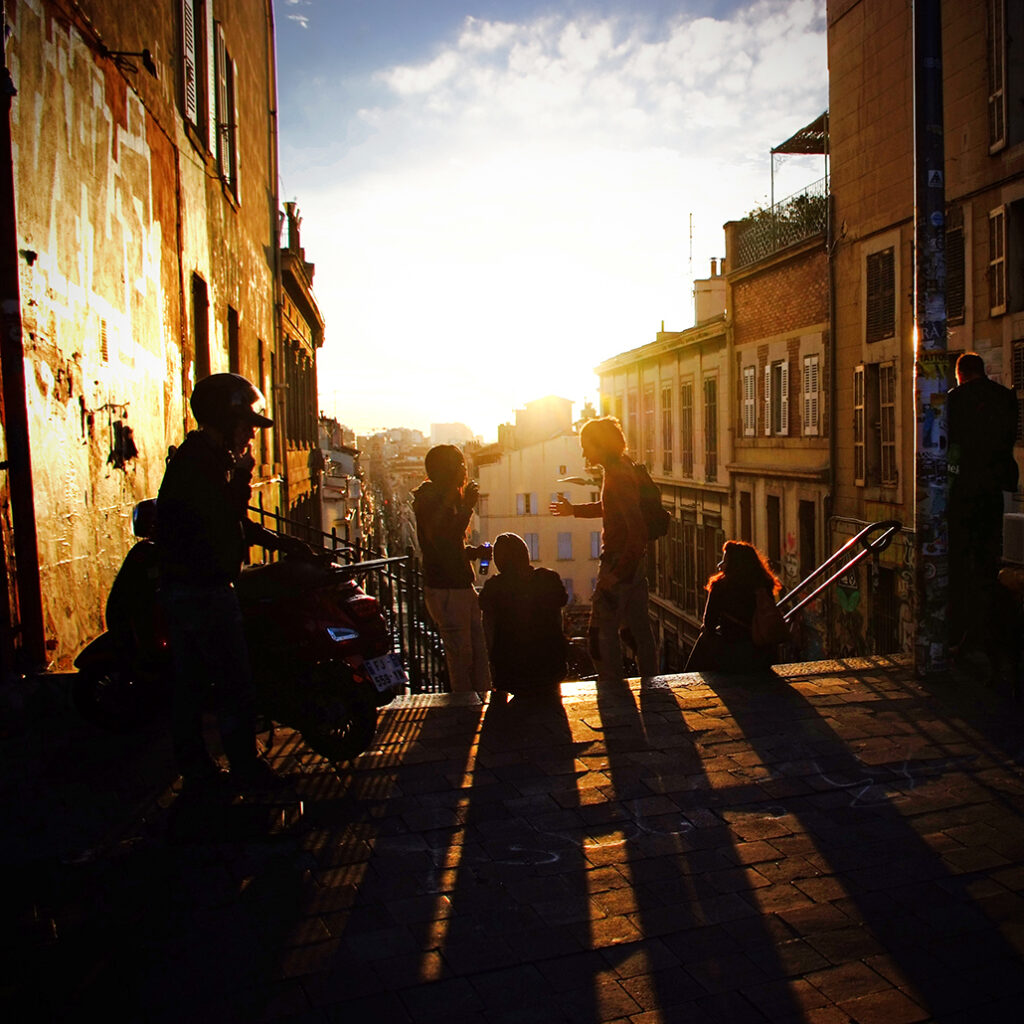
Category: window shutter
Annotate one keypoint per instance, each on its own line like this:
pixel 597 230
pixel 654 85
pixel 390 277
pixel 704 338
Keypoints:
pixel 767 399
pixel 811 384
pixel 996 76
pixel 211 79
pixel 534 507
pixel 784 397
pixel 191 68
pixel 859 438
pixel 520 504
pixel 997 261
pixel 222 151
pixel 233 133
pixel 880 318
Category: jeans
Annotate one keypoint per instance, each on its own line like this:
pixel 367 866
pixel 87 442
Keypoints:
pixel 457 615
pixel 624 606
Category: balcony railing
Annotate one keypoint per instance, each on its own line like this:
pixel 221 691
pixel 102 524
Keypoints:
pixel 794 219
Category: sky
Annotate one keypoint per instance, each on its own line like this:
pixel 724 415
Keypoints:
pixel 498 195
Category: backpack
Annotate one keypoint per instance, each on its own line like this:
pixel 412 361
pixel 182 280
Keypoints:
pixel 768 627
pixel 656 516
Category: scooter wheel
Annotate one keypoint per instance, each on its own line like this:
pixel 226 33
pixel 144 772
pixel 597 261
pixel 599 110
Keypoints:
pixel 109 699
pixel 346 729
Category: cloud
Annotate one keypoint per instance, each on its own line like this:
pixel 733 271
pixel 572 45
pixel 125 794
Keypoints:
pixel 300 19
pixel 523 197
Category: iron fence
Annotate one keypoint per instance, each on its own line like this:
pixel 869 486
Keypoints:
pixel 791 220
pixel 398 587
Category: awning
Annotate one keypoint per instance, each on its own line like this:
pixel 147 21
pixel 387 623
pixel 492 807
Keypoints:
pixel 811 139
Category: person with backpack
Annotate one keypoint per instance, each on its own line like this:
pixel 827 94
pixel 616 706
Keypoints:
pixel 620 595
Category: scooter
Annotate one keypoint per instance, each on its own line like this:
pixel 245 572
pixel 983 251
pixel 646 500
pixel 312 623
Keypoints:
pixel 319 646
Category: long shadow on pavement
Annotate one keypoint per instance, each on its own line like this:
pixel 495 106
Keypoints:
pixel 698 937
pixel 902 904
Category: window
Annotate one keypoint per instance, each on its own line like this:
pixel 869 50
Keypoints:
pixel 996 76
pixel 569 589
pixel 746 518
pixel 812 405
pixel 749 401
pixel 875 455
pixel 261 374
pixel 201 327
pixel 686 428
pixel 595 543
pixel 649 426
pixel 997 261
pixel 666 430
pixel 527 505
pixel 632 422
pixel 191 69
pixel 887 421
pixel 776 398
pixel 688 575
pixel 617 409
pixel 711 428
pixel 227 113
pixel 483 506
pixel 533 543
pixel 564 547
pixel 880 316
pixel 233 365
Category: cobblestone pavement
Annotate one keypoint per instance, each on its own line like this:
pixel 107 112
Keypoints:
pixel 832 843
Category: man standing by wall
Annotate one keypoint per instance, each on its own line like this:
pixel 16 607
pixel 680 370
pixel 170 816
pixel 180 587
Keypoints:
pixel 620 596
pixel 982 430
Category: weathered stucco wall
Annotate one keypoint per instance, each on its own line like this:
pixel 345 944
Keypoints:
pixel 117 206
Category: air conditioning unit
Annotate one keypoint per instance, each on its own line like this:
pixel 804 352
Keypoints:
pixel 1013 538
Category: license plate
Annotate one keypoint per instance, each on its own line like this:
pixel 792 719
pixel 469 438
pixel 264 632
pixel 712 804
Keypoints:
pixel 387 672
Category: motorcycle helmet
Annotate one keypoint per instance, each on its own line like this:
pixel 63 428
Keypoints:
pixel 223 399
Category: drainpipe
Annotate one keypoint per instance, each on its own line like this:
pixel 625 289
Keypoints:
pixel 23 644
pixel 932 377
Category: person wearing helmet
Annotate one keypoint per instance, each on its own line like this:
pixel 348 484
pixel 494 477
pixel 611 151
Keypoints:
pixel 203 535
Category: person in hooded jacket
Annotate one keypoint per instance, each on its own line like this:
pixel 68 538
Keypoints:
pixel 522 610
pixel 443 505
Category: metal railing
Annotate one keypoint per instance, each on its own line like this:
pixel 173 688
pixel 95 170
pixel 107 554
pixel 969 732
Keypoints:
pixel 397 584
pixel 869 545
pixel 791 220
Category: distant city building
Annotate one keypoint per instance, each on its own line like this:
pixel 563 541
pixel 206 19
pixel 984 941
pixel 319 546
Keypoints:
pixel 450 433
pixel 342 485
pixel 520 476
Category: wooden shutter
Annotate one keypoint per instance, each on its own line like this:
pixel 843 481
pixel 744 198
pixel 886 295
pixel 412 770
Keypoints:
pixel 191 67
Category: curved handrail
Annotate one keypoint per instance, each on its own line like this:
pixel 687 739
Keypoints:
pixel 869 546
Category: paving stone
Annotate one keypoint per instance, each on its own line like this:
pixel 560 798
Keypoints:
pixel 816 848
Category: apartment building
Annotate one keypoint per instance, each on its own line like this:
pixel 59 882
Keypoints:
pixel 301 332
pixel 778 299
pixel 142 148
pixel 672 398
pixel 870 44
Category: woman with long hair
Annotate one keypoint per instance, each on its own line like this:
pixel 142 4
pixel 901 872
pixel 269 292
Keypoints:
pixel 725 642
